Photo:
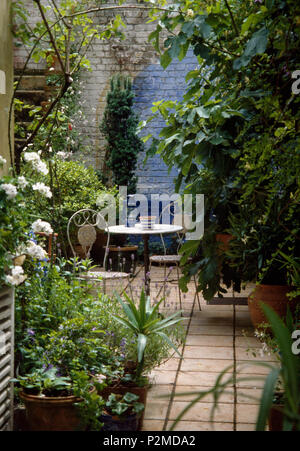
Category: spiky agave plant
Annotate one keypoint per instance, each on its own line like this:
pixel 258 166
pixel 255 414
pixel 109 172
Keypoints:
pixel 144 321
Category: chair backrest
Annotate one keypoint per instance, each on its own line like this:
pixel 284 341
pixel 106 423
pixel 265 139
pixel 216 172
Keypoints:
pixel 167 216
pixel 86 222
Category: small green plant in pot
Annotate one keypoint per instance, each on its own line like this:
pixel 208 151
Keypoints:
pixel 122 412
pixel 58 392
pixel 145 322
pixel 150 337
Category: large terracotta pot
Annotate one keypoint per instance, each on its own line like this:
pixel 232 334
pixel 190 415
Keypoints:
pixel 51 413
pixel 276 417
pixel 223 240
pixel 275 296
pixel 141 392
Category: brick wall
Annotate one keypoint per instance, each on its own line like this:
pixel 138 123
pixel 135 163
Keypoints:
pixel 136 57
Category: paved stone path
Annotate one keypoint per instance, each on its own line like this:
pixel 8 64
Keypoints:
pixel 216 337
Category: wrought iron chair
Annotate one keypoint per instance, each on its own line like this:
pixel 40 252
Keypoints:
pixel 174 259
pixel 86 222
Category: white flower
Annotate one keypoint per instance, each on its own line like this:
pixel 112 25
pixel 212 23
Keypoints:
pixel 20 250
pixel 41 167
pixel 190 13
pixel 63 155
pixel 17 276
pixel 42 226
pixel 22 182
pixel 10 190
pixel 2 161
pixel 31 157
pixel 43 189
pixel 35 160
pixel 36 251
pixel 100 378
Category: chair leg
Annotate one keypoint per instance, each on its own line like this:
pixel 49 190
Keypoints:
pixel 165 276
pixel 179 291
pixel 197 292
pixel 130 288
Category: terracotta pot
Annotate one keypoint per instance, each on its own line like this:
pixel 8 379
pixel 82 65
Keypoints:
pixel 141 392
pixel 115 423
pixel 51 413
pixel 273 295
pixel 223 239
pixel 275 419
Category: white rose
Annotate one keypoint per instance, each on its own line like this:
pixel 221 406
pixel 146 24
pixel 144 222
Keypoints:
pixel 17 276
pixel 43 189
pixel 22 182
pixel 35 160
pixel 10 190
pixel 2 161
pixel 42 226
pixel 36 251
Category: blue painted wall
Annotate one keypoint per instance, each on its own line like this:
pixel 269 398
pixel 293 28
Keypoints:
pixel 153 84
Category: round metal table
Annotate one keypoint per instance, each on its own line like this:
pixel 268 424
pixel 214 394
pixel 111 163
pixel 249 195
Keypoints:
pixel 157 229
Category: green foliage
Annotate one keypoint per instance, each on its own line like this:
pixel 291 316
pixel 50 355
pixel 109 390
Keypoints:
pixel 145 322
pixel 14 225
pixel 90 404
pixel 119 127
pixel 121 405
pixel 74 187
pixel 289 374
pixel 44 381
pixel 239 123
pixel 78 345
pixel 46 299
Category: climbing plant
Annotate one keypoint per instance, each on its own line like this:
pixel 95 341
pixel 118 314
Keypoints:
pixel 238 121
pixel 119 127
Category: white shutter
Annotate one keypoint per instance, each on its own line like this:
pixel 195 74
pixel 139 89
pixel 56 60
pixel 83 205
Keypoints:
pixel 6 358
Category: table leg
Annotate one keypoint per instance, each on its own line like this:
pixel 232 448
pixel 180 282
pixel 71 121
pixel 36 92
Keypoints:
pixel 146 264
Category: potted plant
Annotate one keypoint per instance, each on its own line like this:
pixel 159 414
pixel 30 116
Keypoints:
pixel 147 329
pixel 59 393
pixel 121 412
pixel 264 251
pixel 57 403
pixel 49 401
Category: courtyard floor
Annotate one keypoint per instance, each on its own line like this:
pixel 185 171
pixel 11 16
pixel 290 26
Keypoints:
pixel 216 337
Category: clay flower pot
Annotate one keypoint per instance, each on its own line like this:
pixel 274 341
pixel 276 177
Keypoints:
pixel 223 240
pixel 273 295
pixel 51 413
pixel 141 392
pixel 115 423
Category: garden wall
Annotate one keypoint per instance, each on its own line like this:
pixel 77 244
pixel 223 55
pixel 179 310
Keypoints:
pixel 6 76
pixel 136 57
